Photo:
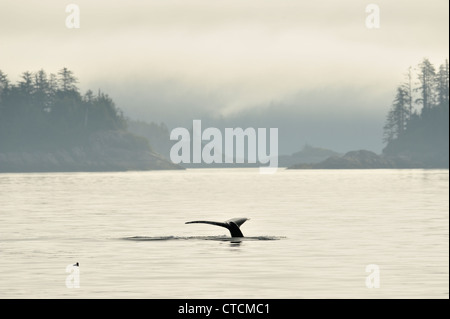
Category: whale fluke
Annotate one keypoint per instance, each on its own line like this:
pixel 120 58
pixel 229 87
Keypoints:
pixel 232 225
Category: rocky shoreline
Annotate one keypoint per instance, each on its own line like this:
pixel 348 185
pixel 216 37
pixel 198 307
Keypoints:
pixel 104 151
pixel 363 159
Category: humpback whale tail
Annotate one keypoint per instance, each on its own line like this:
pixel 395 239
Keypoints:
pixel 232 225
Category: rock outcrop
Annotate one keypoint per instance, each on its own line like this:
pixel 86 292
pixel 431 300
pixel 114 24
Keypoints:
pixel 361 159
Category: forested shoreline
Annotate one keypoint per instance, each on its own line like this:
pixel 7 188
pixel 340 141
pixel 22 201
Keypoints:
pixel 46 124
pixel 47 111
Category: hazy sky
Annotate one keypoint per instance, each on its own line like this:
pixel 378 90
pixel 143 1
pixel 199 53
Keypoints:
pixel 311 68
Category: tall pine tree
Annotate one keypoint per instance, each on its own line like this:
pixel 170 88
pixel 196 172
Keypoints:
pixel 426 76
pixel 442 85
pixel 398 115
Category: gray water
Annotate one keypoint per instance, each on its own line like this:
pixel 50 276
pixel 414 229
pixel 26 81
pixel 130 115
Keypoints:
pixel 311 234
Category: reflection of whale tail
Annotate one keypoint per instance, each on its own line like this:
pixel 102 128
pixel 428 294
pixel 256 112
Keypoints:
pixel 232 225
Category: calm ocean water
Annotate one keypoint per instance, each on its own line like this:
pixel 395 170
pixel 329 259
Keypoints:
pixel 311 234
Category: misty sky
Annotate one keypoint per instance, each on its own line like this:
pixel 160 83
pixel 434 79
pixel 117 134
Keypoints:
pixel 310 68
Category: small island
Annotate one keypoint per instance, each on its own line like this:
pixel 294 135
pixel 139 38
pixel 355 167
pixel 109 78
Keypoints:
pixel 414 139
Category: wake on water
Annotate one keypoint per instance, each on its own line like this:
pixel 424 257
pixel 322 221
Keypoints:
pixel 218 238
pixel 232 225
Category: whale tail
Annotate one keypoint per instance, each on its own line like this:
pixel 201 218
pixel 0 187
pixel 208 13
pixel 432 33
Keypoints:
pixel 231 224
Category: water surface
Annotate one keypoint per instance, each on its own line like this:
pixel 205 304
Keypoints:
pixel 311 234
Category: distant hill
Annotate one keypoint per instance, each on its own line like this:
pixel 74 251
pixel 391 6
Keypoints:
pixel 158 135
pixel 308 155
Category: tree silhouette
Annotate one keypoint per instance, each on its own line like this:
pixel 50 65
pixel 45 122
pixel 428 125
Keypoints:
pixel 426 78
pixel 47 111
pixel 398 115
pixel 67 81
pixel 421 136
pixel 442 84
